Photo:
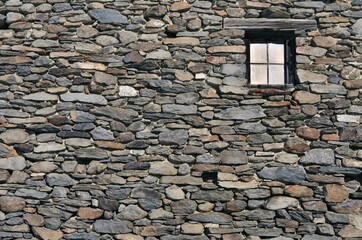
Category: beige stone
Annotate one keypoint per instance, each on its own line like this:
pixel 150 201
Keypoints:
pixel 239 185
pixel 34 219
pixel 182 41
pixel 89 213
pixel 192 228
pixel 227 49
pixel 48 234
pixel 180 6
pixel 335 193
pixel 325 42
pixel 304 97
pixel 311 77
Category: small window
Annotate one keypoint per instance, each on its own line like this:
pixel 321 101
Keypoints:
pixel 271 57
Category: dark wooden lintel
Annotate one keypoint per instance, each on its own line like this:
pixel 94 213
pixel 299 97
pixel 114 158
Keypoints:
pixel 272 24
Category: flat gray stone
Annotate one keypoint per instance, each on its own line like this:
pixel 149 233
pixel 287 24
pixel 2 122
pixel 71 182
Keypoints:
pixel 100 133
pixel 241 113
pixel 116 113
pixel 84 98
pixel 112 226
pixel 284 174
pixel 109 16
pixel 173 137
pixel 318 156
pixel 211 217
pixel 63 180
pixel 91 153
pixel 14 136
pixel 13 163
pixel 179 109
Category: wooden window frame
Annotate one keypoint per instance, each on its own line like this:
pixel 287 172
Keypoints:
pixel 287 38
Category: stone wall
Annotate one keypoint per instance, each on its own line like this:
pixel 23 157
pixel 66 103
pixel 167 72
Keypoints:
pixel 134 120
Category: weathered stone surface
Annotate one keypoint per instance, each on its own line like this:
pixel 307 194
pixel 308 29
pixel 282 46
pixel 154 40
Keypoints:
pixel 56 179
pixel 303 97
pixel 284 174
pixel 84 98
pixel 115 113
pixel 13 163
pixel 108 16
pixel 131 213
pixel 335 193
pixel 281 202
pixel 241 113
pixel 14 136
pixel 173 137
pixel 310 77
pixel 318 156
pixel 112 226
pixel 218 218
pixel 11 204
pixel 296 145
pixel 89 213
pixel 45 233
pixel 298 191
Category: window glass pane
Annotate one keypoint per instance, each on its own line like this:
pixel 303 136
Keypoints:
pixel 258 74
pixel 258 53
pixel 276 53
pixel 276 74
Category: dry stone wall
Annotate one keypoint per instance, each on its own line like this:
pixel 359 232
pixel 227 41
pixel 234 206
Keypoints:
pixel 134 120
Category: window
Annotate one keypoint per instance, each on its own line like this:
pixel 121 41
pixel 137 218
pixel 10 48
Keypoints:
pixel 271 57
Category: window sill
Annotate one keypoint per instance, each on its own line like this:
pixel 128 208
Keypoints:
pixel 270 89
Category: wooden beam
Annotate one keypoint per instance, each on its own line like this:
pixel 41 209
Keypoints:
pixel 270 23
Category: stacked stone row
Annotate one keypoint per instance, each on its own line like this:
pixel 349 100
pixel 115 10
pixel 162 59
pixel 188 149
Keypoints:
pixel 134 120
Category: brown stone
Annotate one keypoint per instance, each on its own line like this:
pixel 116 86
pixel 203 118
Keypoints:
pixel 15 60
pixel 227 49
pixel 303 97
pixel 89 213
pixel 43 167
pixel 133 57
pixel 86 32
pixel 351 163
pixel 233 236
pixel 109 145
pixel 350 232
pixel 335 193
pixel 317 206
pixel 215 60
pixel 35 220
pixel 296 145
pixel 353 84
pixel 308 133
pixel 48 234
pixel 149 231
pixel 325 42
pixel 311 77
pixel 298 191
pixel 12 204
pixel 348 207
pixel 330 137
pixel 182 41
pixel 180 6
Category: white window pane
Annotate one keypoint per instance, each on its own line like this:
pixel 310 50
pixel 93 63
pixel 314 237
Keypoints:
pixel 276 74
pixel 258 53
pixel 276 53
pixel 258 74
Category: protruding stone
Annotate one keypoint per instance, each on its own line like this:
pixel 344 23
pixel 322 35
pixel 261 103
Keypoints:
pixel 14 136
pixel 281 202
pixel 110 16
pixel 318 156
pixel 12 204
pixel 335 193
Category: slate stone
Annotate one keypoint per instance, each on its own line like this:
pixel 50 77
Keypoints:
pixel 131 213
pixel 91 153
pixel 241 113
pixel 116 113
pixel 100 133
pixel 233 157
pixel 149 204
pixel 84 98
pixel 108 204
pixel 211 217
pixel 30 193
pixel 112 226
pixel 178 137
pixel 213 195
pixel 183 207
pixel 179 109
pixel 108 16
pixel 145 193
pixel 155 12
pixel 56 179
pixel 82 117
pixel 318 156
pixel 284 174
pixel 13 163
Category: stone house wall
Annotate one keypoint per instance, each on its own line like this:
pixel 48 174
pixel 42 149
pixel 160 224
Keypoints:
pixel 134 120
